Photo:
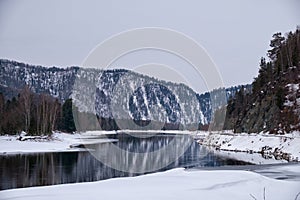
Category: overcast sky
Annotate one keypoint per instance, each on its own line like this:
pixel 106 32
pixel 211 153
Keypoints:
pixel 235 33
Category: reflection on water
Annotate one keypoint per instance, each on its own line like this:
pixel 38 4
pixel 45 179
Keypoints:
pixel 69 167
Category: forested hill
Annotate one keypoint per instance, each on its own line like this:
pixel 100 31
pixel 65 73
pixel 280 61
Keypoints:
pixel 119 94
pixel 274 104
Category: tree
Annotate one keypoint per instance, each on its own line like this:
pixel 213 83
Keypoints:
pixel 2 106
pixel 54 113
pixel 37 114
pixel 275 44
pixel 25 105
pixel 275 53
pixel 265 109
pixel 45 114
pixel 280 98
pixel 12 122
pixel 68 124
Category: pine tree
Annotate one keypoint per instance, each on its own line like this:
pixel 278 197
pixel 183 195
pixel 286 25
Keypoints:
pixel 68 124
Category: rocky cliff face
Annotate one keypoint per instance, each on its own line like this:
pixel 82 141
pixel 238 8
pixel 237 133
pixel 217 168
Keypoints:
pixel 122 94
pixel 114 94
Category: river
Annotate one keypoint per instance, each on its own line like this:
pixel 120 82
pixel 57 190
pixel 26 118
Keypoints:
pixel 128 156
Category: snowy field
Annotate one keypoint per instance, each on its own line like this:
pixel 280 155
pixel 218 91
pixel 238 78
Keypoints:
pixel 173 184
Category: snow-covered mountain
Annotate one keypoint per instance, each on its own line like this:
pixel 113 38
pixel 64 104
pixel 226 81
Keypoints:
pixel 54 81
pixel 114 94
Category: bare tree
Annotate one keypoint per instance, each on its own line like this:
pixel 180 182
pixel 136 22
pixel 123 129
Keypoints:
pixel 2 104
pixel 25 101
pixel 47 111
pixel 54 112
pixel 38 118
pixel 44 113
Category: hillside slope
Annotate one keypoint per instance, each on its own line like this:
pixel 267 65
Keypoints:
pixel 274 103
pixel 116 94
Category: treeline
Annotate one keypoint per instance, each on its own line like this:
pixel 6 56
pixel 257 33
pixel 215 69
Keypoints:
pixel 266 107
pixel 41 114
pixel 36 114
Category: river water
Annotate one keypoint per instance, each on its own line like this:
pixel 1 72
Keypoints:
pixel 128 156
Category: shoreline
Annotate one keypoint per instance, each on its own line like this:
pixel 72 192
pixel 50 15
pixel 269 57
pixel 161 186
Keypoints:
pixel 58 142
pixel 65 142
pixel 281 147
pixel 279 171
pixel 226 143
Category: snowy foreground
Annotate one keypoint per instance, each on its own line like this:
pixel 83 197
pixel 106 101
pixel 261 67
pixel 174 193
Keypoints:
pixel 173 184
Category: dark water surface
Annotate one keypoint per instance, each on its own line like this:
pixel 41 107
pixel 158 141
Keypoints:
pixel 38 169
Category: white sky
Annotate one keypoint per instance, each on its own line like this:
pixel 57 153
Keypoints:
pixel 235 33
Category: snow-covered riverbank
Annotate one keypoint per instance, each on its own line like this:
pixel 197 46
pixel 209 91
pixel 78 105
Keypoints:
pixel 173 184
pixel 284 146
pixel 58 142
